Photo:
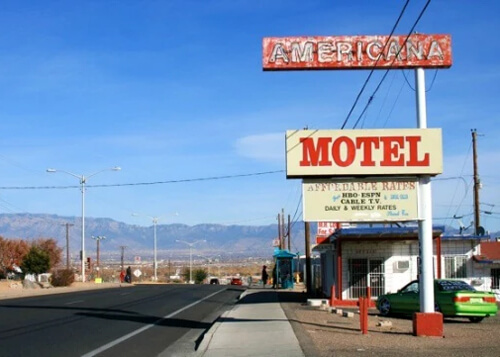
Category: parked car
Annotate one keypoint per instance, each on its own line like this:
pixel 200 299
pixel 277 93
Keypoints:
pixel 236 281
pixel 453 298
pixel 214 281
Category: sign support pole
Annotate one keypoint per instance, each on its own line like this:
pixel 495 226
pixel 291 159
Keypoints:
pixel 425 209
pixel 427 322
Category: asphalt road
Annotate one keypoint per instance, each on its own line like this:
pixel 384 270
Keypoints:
pixel 143 320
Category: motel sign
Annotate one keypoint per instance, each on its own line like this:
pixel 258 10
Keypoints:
pixel 363 152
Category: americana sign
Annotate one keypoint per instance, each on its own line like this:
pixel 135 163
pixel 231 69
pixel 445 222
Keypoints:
pixel 356 52
pixel 363 152
pixel 360 200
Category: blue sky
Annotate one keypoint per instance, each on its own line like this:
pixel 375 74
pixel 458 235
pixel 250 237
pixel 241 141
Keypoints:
pixel 174 90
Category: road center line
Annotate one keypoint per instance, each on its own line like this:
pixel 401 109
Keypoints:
pixel 142 329
pixel 73 302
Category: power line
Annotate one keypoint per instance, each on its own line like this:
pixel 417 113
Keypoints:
pixel 295 217
pixel 387 71
pixel 385 98
pixel 373 69
pixel 430 87
pixel 393 105
pixel 212 178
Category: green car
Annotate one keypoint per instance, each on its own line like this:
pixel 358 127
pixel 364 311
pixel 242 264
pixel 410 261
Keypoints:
pixel 453 298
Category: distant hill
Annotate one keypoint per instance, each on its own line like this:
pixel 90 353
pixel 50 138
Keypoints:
pixel 232 240
pixel 228 241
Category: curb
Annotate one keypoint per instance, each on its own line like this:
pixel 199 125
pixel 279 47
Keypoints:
pixel 207 336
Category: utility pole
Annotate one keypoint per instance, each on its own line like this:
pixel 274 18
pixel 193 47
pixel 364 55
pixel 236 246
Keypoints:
pixel 279 231
pixel 477 184
pixel 308 258
pixel 289 234
pixel 67 244
pixel 283 226
pixel 98 240
pixel 122 247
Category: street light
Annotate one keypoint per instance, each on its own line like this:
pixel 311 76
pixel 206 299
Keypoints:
pixel 155 222
pixel 83 180
pixel 190 256
pixel 210 261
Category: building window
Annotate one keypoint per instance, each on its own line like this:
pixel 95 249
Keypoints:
pixel 455 267
pixel 495 278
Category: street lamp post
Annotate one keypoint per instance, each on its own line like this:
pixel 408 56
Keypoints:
pixel 155 261
pixel 190 256
pixel 210 261
pixel 83 180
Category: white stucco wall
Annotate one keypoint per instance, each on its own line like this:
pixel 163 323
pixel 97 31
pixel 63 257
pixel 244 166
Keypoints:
pixel 393 251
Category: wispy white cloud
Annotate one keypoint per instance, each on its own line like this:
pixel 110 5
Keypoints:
pixel 262 147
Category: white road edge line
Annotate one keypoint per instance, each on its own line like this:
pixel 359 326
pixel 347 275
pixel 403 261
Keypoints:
pixel 74 302
pixel 142 329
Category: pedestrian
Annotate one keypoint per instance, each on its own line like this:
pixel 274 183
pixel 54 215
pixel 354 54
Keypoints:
pixel 122 276
pixel 128 276
pixel 264 276
pixel 275 277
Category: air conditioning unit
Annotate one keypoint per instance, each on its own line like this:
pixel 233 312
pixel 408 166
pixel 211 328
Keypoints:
pixel 402 265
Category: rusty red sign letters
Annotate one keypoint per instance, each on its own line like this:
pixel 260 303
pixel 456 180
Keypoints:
pixel 356 52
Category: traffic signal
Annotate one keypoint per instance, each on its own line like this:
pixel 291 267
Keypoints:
pixel 89 261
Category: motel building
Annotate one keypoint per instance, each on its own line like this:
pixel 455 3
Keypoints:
pixel 385 258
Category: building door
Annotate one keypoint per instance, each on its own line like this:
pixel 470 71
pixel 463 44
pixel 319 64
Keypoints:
pixel 358 276
pixel 358 272
pixel 377 277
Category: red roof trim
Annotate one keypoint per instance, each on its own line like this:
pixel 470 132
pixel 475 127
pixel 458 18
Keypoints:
pixel 490 250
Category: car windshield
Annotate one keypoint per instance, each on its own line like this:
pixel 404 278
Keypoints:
pixel 411 288
pixel 453 285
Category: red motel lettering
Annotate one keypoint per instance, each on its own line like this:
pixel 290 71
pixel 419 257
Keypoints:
pixel 369 151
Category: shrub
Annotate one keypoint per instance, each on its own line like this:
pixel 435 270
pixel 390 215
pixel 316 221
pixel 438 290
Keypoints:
pixel 199 275
pixel 36 261
pixel 63 277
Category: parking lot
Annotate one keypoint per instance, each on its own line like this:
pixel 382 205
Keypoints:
pixel 334 335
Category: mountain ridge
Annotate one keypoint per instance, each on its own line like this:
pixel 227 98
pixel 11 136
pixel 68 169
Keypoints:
pixel 220 239
pixel 224 240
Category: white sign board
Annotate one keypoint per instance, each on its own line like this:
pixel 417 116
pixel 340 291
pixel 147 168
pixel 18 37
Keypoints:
pixel 360 200
pixel 371 152
pixel 137 273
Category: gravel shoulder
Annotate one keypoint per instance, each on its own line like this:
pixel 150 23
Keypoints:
pixel 334 335
pixel 10 289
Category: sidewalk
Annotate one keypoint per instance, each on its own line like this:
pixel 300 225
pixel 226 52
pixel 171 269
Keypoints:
pixel 256 326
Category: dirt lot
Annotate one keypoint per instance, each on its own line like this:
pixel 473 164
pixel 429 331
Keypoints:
pixel 12 289
pixel 325 334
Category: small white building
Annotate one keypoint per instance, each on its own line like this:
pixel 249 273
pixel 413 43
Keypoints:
pixel 384 259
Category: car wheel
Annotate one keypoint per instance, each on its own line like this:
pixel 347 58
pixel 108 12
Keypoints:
pixel 384 307
pixel 476 319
